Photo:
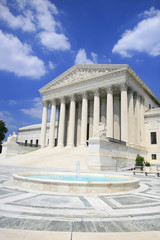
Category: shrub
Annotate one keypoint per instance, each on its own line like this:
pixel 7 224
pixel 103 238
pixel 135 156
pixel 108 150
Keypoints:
pixel 139 160
pixel 147 164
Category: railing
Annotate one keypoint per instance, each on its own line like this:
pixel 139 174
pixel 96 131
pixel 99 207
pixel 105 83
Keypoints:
pixel 28 144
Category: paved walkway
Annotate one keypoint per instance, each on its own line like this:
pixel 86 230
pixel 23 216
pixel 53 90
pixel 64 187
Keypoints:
pixel 6 234
pixel 134 211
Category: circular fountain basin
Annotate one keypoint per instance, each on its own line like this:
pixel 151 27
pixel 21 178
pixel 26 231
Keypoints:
pixel 65 182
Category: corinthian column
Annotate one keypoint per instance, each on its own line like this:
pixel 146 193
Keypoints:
pixel 84 119
pixel 137 119
pixel 61 123
pixel 109 112
pixel 91 118
pixel 124 113
pixel 79 123
pixel 131 124
pixel 72 122
pixel 44 124
pixel 96 111
pixel 142 122
pixel 52 124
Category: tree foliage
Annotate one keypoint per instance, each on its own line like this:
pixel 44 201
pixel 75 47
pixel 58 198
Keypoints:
pixel 3 130
pixel 139 160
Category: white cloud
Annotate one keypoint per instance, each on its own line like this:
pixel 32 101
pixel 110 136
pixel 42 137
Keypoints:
pixel 81 57
pixel 38 16
pixel 149 13
pixel 16 57
pixel 36 109
pixel 8 119
pixel 50 30
pixel 12 102
pixel 44 14
pixel 25 23
pixel 144 37
pixel 139 60
pixel 51 65
pixel 54 41
pixel 94 57
pixel 42 6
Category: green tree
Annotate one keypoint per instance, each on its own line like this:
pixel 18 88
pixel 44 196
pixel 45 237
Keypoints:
pixel 139 160
pixel 3 130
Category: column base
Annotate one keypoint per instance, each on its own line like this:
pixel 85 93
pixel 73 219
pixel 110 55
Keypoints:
pixel 43 146
pixel 70 146
pixel 51 146
pixel 83 145
pixel 60 146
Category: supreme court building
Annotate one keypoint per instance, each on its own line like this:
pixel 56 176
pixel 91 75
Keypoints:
pixel 106 107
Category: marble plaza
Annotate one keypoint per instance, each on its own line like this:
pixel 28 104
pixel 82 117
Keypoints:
pixel 132 212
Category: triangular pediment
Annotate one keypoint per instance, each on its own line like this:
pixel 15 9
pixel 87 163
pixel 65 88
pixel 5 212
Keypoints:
pixel 80 72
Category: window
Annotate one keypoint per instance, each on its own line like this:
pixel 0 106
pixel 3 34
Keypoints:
pixel 31 143
pixel 149 106
pixel 36 142
pixel 153 138
pixel 154 156
pixel 25 142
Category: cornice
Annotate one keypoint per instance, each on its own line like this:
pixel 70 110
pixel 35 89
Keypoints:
pixel 143 85
pixel 154 112
pixel 102 70
pixel 99 69
pixel 89 79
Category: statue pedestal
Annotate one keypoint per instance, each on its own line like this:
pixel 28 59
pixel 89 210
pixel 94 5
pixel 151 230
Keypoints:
pixel 106 155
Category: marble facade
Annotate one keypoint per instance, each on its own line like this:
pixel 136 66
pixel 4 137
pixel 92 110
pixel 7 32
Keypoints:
pixel 86 98
pixel 86 95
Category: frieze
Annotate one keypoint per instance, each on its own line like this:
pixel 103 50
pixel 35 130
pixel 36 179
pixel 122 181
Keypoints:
pixel 88 72
pixel 118 74
pixel 78 75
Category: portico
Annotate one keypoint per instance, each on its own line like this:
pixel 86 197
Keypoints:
pixel 87 95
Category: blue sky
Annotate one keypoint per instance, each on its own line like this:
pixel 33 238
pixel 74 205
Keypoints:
pixel 40 39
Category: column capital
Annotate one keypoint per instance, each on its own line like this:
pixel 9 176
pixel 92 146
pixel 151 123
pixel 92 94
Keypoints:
pixel 63 99
pixel 54 101
pixel 123 86
pixel 97 92
pixel 45 103
pixel 73 97
pixel 109 89
pixel 130 91
pixel 85 95
pixel 135 94
pixel 141 99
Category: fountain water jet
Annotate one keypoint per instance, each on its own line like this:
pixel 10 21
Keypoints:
pixel 77 168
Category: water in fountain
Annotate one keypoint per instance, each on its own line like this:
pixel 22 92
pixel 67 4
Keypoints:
pixel 77 168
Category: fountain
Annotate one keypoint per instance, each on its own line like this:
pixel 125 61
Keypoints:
pixel 69 182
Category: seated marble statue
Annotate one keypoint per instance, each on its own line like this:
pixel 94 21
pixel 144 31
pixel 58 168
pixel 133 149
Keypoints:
pixel 12 138
pixel 101 130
